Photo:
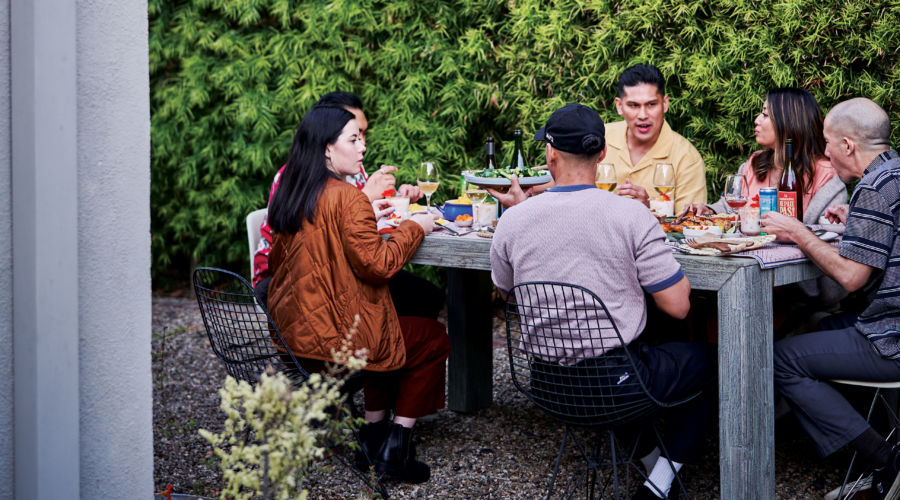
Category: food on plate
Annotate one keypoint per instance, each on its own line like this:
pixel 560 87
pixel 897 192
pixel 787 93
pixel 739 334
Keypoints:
pixel 394 219
pixel 724 221
pixel 508 172
pixel 462 200
pixel 415 207
pixel 464 220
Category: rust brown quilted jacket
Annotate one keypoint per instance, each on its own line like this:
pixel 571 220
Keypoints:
pixel 337 267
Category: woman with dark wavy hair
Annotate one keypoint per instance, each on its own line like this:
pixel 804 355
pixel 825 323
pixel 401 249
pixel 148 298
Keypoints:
pixel 330 271
pixel 791 113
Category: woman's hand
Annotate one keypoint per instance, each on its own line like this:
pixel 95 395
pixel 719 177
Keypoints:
pixel 380 181
pixel 635 191
pixel 837 214
pixel 412 192
pixel 697 208
pixel 425 220
pixel 382 208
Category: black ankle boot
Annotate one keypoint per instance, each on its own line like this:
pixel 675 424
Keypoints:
pixel 397 457
pixel 371 437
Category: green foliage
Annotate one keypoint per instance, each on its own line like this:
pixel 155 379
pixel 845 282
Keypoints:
pixel 230 80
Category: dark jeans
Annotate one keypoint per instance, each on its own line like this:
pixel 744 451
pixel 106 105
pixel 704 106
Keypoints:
pixel 671 372
pixel 412 295
pixel 805 363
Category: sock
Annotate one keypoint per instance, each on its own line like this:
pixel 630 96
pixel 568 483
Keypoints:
pixel 662 476
pixel 650 460
pixel 872 447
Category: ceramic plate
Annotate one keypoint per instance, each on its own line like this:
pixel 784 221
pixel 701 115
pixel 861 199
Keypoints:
pixel 828 236
pixel 502 181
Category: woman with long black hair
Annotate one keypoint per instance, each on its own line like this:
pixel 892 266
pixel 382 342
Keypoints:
pixel 791 113
pixel 330 273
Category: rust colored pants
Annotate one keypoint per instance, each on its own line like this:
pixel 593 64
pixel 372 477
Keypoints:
pixel 417 389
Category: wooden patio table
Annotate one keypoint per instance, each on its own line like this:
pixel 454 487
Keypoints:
pixel 746 392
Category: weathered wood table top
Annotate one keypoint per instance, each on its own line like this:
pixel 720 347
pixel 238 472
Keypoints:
pixel 746 392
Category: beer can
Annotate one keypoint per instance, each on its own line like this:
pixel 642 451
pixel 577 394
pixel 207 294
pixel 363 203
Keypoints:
pixel 768 200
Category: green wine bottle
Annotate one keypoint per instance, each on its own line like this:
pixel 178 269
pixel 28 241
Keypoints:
pixel 518 157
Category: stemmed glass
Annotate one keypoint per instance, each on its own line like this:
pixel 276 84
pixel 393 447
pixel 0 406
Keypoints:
pixel 428 179
pixel 477 195
pixel 605 178
pixel 736 193
pixel 664 178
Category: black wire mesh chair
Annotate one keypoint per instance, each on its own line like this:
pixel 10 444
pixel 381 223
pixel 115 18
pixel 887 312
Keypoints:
pixel 565 355
pixel 246 340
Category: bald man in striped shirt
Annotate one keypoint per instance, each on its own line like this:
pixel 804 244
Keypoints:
pixel 866 346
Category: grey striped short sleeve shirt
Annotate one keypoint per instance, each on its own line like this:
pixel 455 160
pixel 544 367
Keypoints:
pixel 872 237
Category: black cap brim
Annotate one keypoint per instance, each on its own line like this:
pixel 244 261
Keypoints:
pixel 539 135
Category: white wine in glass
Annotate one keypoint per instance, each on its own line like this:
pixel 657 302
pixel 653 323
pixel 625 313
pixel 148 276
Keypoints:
pixel 428 180
pixel 605 178
pixel 664 178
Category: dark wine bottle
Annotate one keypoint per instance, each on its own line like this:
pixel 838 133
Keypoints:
pixel 489 161
pixel 790 197
pixel 518 157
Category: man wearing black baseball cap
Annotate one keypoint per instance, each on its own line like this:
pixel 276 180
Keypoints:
pixel 612 245
pixel 574 130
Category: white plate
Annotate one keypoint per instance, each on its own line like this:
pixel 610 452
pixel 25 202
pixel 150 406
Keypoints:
pixel 696 233
pixel 502 181
pixel 828 236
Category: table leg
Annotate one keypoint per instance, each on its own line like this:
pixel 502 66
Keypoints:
pixel 469 318
pixel 746 392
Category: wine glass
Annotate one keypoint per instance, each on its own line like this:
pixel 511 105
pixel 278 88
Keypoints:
pixel 428 179
pixel 664 178
pixel 605 178
pixel 477 195
pixel 735 193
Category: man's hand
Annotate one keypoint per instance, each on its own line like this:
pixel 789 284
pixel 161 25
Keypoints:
pixel 783 227
pixel 412 192
pixel 514 196
pixel 697 208
pixel 635 191
pixel 382 208
pixel 837 214
pixel 850 274
pixel 380 181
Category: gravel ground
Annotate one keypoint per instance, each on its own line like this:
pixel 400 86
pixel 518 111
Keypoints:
pixel 506 451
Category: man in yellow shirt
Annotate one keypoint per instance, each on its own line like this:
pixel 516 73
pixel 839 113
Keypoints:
pixel 644 138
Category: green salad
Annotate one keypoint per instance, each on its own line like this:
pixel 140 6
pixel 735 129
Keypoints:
pixel 508 172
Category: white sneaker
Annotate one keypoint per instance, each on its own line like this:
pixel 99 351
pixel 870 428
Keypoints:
pixel 862 484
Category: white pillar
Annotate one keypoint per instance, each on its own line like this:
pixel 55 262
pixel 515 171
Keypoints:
pixel 80 249
pixel 45 248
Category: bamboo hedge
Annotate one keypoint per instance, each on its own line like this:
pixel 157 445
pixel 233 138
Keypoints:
pixel 230 80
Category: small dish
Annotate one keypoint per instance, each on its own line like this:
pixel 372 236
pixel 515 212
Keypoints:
pixel 464 223
pixel 828 236
pixel 698 231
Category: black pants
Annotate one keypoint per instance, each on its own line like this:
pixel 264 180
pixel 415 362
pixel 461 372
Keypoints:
pixel 412 295
pixel 671 372
pixel 803 366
